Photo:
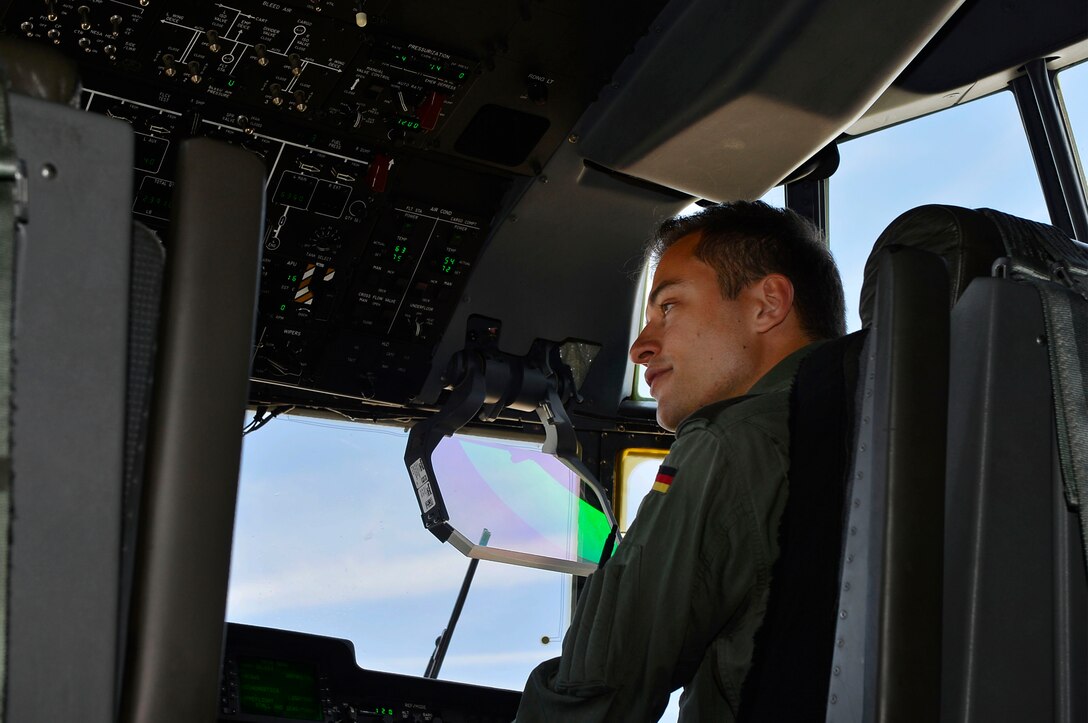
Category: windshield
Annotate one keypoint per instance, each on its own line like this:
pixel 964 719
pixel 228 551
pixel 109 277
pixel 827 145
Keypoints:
pixel 328 540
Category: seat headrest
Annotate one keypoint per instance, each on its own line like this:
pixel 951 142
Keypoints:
pixel 967 240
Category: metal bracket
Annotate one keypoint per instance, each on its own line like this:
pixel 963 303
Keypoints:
pixel 485 381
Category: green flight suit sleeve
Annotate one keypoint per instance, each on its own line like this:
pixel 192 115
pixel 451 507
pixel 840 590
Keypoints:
pixel 681 578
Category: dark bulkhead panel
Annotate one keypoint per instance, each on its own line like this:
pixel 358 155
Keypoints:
pixel 392 140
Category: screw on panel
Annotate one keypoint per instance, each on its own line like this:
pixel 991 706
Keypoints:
pixel 49 171
pixel 572 138
pixel 1041 340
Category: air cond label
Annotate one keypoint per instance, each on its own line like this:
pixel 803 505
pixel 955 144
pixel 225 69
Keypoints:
pixel 424 493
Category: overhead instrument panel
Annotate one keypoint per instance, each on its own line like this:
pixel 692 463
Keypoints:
pixel 392 134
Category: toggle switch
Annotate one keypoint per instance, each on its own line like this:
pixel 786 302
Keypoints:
pixel 430 109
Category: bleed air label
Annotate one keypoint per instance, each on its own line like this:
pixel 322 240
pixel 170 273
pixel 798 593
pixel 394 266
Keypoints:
pixel 424 493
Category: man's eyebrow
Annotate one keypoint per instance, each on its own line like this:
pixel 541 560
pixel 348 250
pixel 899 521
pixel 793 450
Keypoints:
pixel 661 287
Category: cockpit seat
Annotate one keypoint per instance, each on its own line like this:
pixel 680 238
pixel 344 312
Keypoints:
pixel 138 543
pixel 892 594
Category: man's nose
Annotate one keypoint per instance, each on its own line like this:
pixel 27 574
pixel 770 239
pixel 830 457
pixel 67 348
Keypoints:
pixel 644 348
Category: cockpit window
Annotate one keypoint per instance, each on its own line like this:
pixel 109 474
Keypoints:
pixel 974 155
pixel 636 470
pixel 328 540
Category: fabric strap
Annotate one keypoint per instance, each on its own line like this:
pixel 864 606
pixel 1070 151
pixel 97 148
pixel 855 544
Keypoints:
pixel 12 198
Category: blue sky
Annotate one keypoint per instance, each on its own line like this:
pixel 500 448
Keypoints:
pixel 328 537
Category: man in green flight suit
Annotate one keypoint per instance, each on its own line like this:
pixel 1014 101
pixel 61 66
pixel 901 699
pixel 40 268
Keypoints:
pixel 741 293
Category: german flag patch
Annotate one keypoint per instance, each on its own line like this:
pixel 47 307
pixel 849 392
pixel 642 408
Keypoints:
pixel 664 479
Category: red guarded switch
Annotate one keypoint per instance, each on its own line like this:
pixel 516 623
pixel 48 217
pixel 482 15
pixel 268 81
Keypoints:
pixel 429 110
pixel 377 174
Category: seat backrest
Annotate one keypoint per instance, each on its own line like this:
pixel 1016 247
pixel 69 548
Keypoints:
pixel 72 323
pixel 1016 604
pixel 887 634
pixel 129 617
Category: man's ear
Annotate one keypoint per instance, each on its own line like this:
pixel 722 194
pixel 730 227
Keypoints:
pixel 774 294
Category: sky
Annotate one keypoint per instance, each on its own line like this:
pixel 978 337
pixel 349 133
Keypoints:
pixel 328 536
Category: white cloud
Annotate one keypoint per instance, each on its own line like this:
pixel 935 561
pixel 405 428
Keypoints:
pixel 351 579
pixel 341 580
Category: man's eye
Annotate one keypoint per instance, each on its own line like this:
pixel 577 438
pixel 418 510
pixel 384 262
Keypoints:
pixel 666 307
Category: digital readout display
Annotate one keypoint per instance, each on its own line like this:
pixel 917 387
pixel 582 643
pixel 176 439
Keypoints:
pixel 278 688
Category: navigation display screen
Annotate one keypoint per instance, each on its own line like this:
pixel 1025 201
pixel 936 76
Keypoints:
pixel 278 688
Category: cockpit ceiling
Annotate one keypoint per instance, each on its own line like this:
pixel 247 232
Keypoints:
pixel 983 46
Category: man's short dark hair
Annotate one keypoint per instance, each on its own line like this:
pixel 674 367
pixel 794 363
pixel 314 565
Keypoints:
pixel 743 241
